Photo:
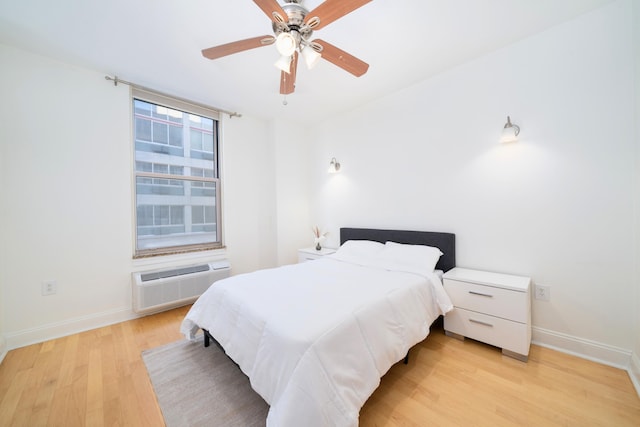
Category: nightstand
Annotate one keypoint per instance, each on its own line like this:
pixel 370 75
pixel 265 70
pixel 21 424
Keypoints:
pixel 308 254
pixel 490 307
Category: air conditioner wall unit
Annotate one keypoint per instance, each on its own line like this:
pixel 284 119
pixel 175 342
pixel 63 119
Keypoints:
pixel 158 290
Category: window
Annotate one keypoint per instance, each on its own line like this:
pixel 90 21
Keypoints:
pixel 177 185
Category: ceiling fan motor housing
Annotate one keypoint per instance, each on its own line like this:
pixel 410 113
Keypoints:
pixel 295 24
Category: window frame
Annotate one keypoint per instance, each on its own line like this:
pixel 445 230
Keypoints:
pixel 189 108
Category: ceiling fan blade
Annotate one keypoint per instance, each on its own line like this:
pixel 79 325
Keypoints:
pixel 330 10
pixel 237 46
pixel 288 80
pixel 342 59
pixel 270 6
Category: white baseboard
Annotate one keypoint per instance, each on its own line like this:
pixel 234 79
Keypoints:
pixel 586 349
pixel 3 348
pixel 66 327
pixel 634 371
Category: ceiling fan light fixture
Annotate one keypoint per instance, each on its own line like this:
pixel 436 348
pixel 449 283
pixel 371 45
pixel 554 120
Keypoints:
pixel 286 44
pixel 284 64
pixel 293 26
pixel 311 57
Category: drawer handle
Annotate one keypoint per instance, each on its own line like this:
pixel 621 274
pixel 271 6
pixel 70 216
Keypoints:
pixel 481 322
pixel 481 294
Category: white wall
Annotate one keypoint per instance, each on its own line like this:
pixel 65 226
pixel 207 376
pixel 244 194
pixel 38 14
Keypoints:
pixel 249 194
pixel 635 365
pixel 67 198
pixel 556 206
pixel 3 347
pixel 293 185
pixel 267 201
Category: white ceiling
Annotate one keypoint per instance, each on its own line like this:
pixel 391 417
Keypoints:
pixel 157 43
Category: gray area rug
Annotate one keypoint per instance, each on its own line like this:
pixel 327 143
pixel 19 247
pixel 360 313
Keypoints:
pixel 198 386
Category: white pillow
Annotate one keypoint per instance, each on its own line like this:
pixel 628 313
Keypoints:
pixel 419 259
pixel 362 252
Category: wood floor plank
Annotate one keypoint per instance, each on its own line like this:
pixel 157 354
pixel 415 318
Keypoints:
pixel 98 378
pixel 10 402
pixel 95 399
pixel 476 385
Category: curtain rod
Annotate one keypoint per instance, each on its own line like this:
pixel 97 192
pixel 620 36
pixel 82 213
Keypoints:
pixel 117 80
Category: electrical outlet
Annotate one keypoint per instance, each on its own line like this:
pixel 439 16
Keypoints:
pixel 542 292
pixel 49 287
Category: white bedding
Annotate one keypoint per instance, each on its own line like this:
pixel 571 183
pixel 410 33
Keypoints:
pixel 315 338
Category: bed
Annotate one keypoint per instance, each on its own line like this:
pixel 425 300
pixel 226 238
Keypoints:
pixel 315 338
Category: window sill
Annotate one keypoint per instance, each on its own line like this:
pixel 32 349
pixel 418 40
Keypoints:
pixel 142 263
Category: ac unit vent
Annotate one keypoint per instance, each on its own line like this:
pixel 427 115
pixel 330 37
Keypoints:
pixel 174 272
pixel 164 289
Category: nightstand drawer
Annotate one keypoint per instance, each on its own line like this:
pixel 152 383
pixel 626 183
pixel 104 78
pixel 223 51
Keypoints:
pixel 303 257
pixel 503 303
pixel 512 336
pixel 309 254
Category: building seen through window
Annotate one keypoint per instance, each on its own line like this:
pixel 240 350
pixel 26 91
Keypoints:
pixel 177 182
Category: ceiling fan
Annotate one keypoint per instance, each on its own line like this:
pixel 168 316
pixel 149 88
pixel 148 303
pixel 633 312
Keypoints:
pixel 293 26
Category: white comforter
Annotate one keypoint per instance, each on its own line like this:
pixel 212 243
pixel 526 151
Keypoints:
pixel 315 338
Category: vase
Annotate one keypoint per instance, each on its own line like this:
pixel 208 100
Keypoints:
pixel 318 247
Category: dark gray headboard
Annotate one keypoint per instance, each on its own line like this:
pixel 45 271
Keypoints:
pixel 446 242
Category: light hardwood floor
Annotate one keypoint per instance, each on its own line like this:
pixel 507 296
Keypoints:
pixel 98 378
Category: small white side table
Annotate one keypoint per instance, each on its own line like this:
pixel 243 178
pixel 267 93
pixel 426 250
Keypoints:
pixel 308 254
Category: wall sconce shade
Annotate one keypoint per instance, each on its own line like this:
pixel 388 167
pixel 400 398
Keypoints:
pixel 510 132
pixel 334 166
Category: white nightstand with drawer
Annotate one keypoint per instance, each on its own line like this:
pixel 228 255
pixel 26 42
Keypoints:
pixel 308 254
pixel 490 307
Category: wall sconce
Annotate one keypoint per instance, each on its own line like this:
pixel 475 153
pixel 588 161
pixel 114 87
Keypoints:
pixel 334 166
pixel 510 132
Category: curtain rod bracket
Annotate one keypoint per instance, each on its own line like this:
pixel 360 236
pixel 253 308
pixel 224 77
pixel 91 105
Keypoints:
pixel 114 78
